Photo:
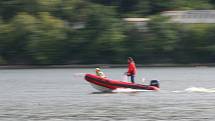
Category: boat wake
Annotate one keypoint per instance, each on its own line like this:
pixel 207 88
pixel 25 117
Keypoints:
pixel 198 90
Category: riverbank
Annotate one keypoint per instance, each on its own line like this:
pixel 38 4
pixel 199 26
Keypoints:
pixel 102 66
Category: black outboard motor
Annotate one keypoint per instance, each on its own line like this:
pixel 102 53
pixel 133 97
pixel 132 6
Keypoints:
pixel 154 83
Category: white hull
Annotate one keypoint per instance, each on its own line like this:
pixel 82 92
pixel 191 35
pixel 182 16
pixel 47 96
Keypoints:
pixel 100 88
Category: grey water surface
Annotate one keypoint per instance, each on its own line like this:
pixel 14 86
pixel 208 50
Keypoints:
pixel 187 94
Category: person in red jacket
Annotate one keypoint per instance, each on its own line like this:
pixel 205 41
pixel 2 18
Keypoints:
pixel 131 69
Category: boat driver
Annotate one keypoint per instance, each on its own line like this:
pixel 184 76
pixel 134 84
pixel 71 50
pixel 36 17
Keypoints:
pixel 131 69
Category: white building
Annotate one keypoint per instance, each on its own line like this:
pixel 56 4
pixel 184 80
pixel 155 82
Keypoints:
pixel 191 16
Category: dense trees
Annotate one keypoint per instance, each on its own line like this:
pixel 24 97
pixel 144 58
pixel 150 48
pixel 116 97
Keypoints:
pixel 93 31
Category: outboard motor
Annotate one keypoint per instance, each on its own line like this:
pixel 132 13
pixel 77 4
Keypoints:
pixel 154 83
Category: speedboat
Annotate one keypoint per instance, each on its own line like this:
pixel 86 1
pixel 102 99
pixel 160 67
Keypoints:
pixel 107 85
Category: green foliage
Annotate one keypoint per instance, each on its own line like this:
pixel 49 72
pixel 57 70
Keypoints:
pixel 192 4
pixel 8 45
pixel 104 34
pixel 46 43
pixel 140 8
pixel 93 31
pixel 196 43
pixel 162 39
pixel 2 61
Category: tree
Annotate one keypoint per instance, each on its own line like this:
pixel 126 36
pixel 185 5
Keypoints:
pixel 46 44
pixel 103 35
pixel 162 39
pixel 6 41
pixel 196 43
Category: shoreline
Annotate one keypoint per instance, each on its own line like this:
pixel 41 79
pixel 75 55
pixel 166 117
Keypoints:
pixel 101 66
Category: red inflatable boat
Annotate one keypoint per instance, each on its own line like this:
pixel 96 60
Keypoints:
pixel 105 84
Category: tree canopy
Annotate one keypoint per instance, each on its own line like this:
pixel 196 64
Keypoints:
pixel 94 31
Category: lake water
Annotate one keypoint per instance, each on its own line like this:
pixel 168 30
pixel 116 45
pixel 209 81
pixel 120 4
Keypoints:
pixel 187 94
